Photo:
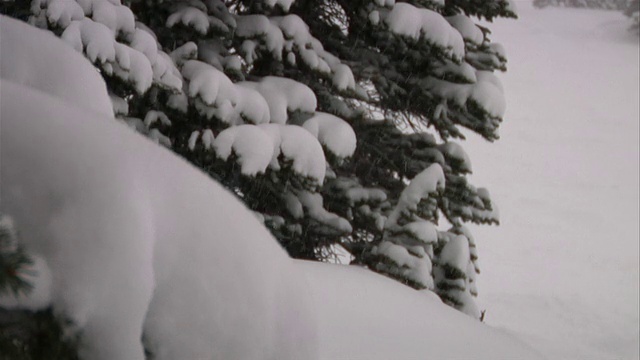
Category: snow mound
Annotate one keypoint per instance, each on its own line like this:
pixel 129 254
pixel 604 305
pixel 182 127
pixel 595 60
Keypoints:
pixel 358 310
pixel 131 255
pixel 22 62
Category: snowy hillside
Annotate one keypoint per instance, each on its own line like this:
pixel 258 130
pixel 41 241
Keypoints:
pixel 121 253
pixel 562 269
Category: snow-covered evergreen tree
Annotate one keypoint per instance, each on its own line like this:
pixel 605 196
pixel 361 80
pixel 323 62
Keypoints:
pixel 333 120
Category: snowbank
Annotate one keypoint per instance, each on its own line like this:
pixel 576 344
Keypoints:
pixel 129 248
pixel 563 265
pixel 128 245
pixel 362 315
pixel 40 60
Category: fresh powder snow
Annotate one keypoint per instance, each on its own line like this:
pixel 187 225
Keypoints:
pixel 561 271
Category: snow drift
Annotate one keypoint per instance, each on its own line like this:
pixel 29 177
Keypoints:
pixel 138 243
pixel 128 245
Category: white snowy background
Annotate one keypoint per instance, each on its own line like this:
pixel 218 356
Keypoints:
pixel 561 271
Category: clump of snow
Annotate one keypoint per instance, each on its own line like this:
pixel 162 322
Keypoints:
pixel 298 146
pixel 59 12
pixel 422 230
pixel 159 138
pixel 94 38
pixel 191 17
pixel 144 42
pixel 289 34
pixel 188 51
pixel 374 17
pixel 426 183
pixel 293 205
pixel 118 18
pixel 464 70
pixel 133 66
pixel 455 151
pixel 212 86
pixel 284 4
pixel 487 92
pixel 120 105
pixel 193 138
pixel 456 253
pixel 332 132
pixel 97 41
pixel 252 106
pixel 423 24
pixel 154 116
pixel 388 3
pixel 283 96
pixel 216 94
pixel 312 204
pixel 467 28
pixel 259 26
pixel 249 143
pixel 406 265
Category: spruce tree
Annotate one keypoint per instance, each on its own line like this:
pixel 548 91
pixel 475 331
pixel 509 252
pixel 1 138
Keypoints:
pixel 337 122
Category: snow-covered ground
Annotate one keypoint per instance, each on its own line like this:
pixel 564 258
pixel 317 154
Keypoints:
pixel 365 316
pixel 561 271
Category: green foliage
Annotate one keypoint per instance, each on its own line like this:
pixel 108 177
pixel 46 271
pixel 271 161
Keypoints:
pixel 13 269
pixel 14 262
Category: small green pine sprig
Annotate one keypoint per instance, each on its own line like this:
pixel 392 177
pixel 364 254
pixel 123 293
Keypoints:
pixel 15 264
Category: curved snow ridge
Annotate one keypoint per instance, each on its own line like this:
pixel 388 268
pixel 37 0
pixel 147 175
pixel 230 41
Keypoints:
pixel 61 73
pixel 138 241
pixel 357 311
